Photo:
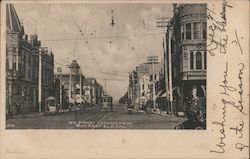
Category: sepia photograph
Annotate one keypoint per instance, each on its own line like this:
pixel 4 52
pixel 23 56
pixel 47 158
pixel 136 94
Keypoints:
pixel 124 79
pixel 92 66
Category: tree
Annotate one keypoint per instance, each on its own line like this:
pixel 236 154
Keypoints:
pixel 124 98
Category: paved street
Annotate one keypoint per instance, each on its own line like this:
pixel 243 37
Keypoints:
pixel 94 118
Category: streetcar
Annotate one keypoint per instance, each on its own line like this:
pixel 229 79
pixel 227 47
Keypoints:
pixel 51 105
pixel 107 103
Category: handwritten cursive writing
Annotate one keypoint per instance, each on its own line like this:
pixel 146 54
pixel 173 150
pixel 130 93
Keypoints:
pixel 240 146
pixel 225 5
pixel 225 82
pixel 222 143
pixel 240 76
pixel 237 41
pixel 217 27
pixel 239 129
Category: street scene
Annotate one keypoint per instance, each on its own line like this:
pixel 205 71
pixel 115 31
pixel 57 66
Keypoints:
pixel 93 118
pixel 106 66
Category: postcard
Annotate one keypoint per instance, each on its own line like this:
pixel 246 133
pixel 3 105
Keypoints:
pixel 124 79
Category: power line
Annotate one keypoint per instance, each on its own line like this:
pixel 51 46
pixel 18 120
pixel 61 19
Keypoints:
pixel 109 37
pixel 134 36
pixel 114 73
pixel 113 79
pixel 82 35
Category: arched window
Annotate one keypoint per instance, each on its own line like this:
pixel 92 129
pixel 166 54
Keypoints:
pixel 198 60
pixel 191 60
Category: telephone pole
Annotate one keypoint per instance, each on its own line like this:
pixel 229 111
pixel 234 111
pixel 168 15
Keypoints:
pixel 59 70
pixel 40 79
pixel 162 22
pixel 105 83
pixel 170 32
pixel 153 60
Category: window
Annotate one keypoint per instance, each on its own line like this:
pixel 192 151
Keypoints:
pixel 155 76
pixel 142 94
pixel 188 31
pixel 7 64
pixel 14 50
pixel 191 60
pixel 14 62
pixel 197 31
pixel 182 32
pixel 198 60
pixel 204 30
pixel 205 60
pixel 143 86
pixel 19 59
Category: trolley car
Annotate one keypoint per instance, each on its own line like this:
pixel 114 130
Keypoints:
pixel 51 105
pixel 107 103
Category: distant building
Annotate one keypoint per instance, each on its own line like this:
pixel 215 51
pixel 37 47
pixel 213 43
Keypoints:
pixel 88 88
pixel 22 67
pixel 140 89
pixel 92 91
pixel 71 84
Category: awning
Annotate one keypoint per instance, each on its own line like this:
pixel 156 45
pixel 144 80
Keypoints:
pixel 177 89
pixel 50 98
pixel 164 95
pixel 159 93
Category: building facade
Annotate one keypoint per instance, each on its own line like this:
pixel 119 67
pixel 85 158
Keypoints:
pixel 75 82
pixel 22 67
pixel 142 81
pixel 70 84
pixel 186 53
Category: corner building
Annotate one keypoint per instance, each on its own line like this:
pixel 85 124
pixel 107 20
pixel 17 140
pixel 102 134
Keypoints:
pixel 193 18
pixel 187 38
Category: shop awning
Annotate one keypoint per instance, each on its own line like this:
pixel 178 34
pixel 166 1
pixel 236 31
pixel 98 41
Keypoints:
pixel 164 95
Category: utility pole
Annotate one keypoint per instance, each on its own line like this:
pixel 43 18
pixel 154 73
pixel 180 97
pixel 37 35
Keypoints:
pixel 166 68
pixel 170 32
pixel 70 85
pixel 105 82
pixel 40 79
pixel 132 89
pixel 59 70
pixel 162 22
pixel 153 60
pixel 81 82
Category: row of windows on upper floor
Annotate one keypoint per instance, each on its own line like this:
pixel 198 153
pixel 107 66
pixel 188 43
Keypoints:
pixel 191 31
pixel 198 60
pixel 14 61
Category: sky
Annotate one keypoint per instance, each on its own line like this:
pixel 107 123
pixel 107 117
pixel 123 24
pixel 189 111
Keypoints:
pixel 83 32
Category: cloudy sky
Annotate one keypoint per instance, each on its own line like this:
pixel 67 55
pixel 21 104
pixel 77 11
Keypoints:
pixel 83 32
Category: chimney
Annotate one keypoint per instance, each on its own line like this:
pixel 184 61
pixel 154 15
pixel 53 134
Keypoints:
pixel 26 37
pixel 38 43
pixel 31 39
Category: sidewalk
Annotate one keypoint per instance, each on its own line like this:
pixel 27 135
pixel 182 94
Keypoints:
pixel 30 115
pixel 163 113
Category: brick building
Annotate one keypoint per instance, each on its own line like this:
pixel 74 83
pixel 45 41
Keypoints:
pixel 22 66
